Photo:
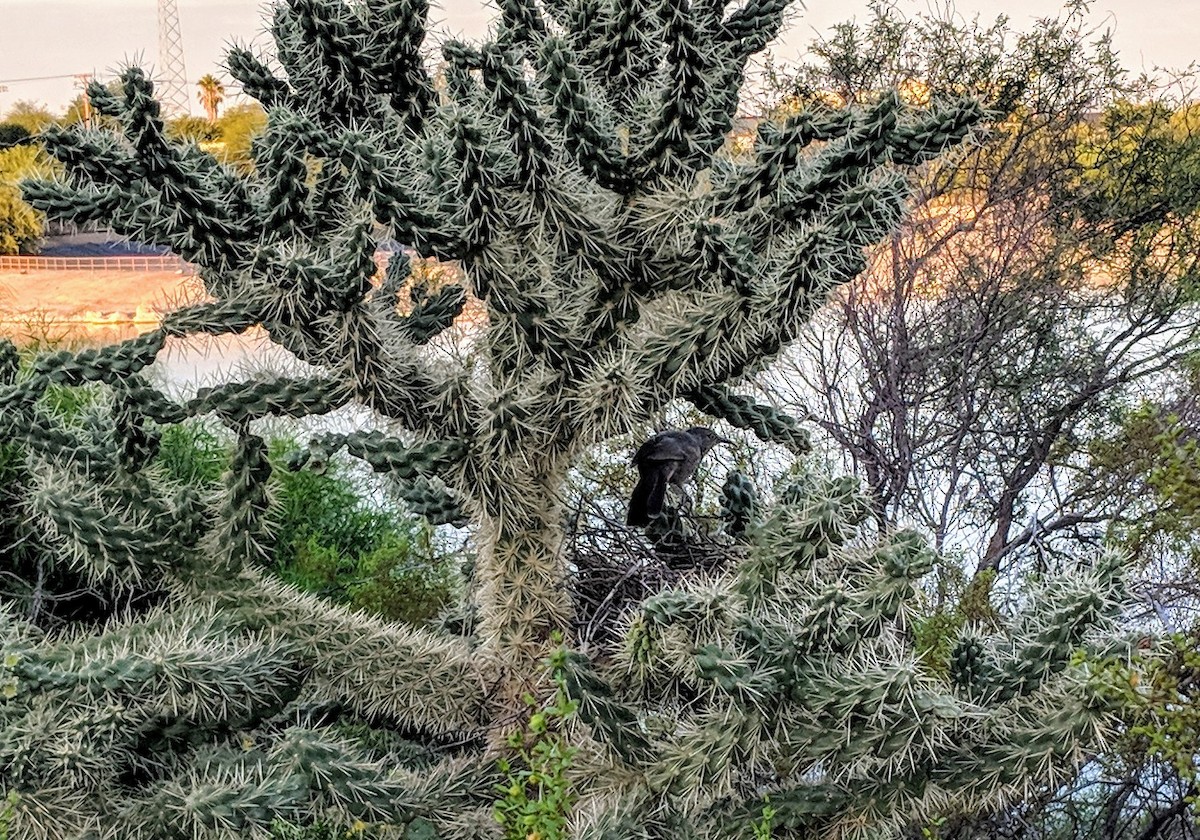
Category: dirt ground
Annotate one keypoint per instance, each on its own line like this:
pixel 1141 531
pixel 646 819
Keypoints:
pixel 108 304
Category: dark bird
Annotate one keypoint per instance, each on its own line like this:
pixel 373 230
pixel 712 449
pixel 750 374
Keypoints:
pixel 667 458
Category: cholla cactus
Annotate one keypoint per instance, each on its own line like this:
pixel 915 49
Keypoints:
pixel 575 167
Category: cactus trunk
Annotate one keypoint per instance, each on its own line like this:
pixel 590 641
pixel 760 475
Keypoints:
pixel 519 577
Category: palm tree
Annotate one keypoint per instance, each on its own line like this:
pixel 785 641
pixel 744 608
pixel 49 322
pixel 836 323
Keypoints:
pixel 212 92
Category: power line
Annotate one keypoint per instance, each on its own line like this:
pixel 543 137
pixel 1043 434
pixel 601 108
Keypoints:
pixel 38 79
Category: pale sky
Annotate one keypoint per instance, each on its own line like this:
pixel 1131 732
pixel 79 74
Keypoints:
pixel 41 38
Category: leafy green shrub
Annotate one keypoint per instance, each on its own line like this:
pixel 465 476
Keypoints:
pixel 329 541
pixel 193 454
pixel 402 579
pixel 195 129
pixel 326 505
pixel 12 134
pixel 6 813
pixel 536 796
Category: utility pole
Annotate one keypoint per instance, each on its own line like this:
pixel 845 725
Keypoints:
pixel 172 77
pixel 81 81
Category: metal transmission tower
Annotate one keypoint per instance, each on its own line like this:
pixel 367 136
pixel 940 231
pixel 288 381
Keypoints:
pixel 172 77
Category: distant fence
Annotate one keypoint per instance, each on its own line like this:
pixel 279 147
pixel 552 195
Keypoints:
pixel 135 262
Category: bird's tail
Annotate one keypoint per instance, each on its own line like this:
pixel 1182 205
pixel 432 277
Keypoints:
pixel 647 499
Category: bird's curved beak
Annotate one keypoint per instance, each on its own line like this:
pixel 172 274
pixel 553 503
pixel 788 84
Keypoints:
pixel 724 440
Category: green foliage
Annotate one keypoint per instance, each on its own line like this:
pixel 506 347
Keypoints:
pixel 194 129
pixel 10 803
pixel 1168 725
pixel 762 828
pixel 193 454
pixel 20 225
pixel 325 505
pixel 959 602
pixel 403 579
pixel 285 831
pixel 1160 702
pixel 13 134
pixel 1153 457
pixel 1140 164
pixel 327 539
pixel 237 128
pixel 30 116
pixel 536 795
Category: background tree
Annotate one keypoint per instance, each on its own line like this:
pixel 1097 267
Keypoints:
pixel 21 227
pixel 29 115
pixel 1013 373
pixel 195 129
pixel 236 130
pixel 1045 279
pixel 576 168
pixel 13 134
pixel 211 95
pixel 78 111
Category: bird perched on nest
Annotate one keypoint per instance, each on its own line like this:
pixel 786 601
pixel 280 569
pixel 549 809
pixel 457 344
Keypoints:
pixel 668 458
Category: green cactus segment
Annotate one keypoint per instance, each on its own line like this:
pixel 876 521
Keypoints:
pixel 432 499
pixel 239 402
pixel 969 666
pixel 137 443
pixel 399 672
pixel 613 723
pixel 768 424
pixel 925 139
pixel 10 362
pixel 286 200
pixel 482 216
pixel 739 504
pixel 46 439
pixel 241 533
pixel 384 454
pixel 816 517
pixel 256 78
pixel 433 314
pixel 778 151
pixel 677 145
pixel 1049 632
pixel 173 658
pixel 103 542
pixel 99 159
pixel 461 60
pixel 109 364
pixel 80 205
pixel 592 141
pixel 530 143
pixel 103 101
pixel 399 62
pixel 222 317
pixel 845 163
pixel 754 25
pixel 623 50
pixel 727 256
